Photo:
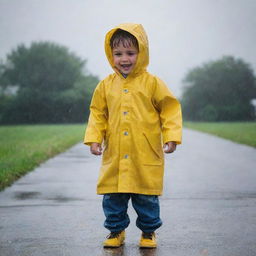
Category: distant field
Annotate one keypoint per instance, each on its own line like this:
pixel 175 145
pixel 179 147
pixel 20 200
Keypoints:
pixel 23 147
pixel 240 132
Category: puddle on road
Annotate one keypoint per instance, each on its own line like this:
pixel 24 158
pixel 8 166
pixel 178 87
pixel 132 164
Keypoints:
pixel 125 251
pixel 113 251
pixel 65 199
pixel 24 195
pixel 27 195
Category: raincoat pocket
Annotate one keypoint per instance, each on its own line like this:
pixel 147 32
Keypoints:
pixel 152 149
pixel 106 150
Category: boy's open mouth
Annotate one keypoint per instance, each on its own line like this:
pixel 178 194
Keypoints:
pixel 126 65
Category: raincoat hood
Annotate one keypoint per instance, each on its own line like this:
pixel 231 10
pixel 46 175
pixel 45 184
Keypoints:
pixel 138 31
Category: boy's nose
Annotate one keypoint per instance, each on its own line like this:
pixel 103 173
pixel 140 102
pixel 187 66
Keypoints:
pixel 124 58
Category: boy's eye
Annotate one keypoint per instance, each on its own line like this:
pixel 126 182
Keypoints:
pixel 131 53
pixel 117 54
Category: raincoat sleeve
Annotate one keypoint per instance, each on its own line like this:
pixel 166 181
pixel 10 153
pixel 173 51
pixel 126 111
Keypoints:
pixel 170 112
pixel 97 123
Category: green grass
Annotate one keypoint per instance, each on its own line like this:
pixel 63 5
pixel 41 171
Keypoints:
pixel 240 132
pixel 23 147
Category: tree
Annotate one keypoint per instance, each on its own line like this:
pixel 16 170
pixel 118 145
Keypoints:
pixel 53 85
pixel 220 90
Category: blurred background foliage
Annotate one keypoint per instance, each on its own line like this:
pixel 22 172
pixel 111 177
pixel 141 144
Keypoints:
pixel 220 90
pixel 44 83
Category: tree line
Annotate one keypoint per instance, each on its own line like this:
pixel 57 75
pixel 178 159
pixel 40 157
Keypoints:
pixel 46 83
pixel 220 90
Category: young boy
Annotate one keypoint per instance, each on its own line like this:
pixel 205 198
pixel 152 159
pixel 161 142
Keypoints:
pixel 133 112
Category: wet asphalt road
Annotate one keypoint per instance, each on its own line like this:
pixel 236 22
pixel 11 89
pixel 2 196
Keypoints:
pixel 208 206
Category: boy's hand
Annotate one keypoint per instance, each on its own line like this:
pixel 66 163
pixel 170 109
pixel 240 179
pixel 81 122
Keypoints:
pixel 169 147
pixel 96 148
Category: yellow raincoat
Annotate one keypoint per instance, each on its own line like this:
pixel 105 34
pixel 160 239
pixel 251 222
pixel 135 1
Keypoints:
pixel 133 116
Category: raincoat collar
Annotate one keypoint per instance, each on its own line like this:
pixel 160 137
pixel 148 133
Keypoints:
pixel 138 31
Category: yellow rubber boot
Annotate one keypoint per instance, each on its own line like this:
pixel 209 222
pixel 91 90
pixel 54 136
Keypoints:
pixel 148 240
pixel 114 239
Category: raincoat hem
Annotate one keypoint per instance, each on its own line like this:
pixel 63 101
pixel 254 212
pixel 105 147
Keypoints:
pixel 132 191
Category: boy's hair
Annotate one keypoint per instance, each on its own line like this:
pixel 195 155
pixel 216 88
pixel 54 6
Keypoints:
pixel 124 37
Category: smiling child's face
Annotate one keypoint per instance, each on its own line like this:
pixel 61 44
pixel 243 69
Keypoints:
pixel 125 57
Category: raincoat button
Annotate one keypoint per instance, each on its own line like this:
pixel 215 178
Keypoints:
pixel 126 90
pixel 126 156
pixel 125 112
pixel 125 133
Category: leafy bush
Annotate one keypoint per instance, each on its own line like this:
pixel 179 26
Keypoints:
pixel 220 90
pixel 53 85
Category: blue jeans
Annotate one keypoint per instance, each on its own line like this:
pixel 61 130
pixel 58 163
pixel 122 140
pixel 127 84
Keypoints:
pixel 146 206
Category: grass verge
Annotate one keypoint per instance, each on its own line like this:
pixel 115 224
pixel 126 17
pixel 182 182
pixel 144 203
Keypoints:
pixel 23 147
pixel 240 132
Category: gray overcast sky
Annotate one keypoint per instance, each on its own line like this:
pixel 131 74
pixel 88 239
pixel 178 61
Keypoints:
pixel 182 33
